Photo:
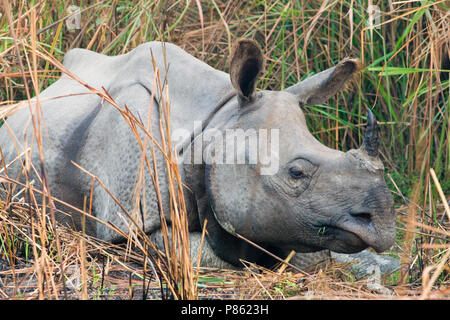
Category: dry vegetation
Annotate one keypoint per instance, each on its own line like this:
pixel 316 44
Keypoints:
pixel 405 81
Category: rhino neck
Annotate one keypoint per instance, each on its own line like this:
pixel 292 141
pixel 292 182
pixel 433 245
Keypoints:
pixel 225 245
pixel 206 123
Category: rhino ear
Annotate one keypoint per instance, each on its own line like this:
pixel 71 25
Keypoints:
pixel 320 87
pixel 245 67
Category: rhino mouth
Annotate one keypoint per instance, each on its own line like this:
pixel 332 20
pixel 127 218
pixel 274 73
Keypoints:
pixel 352 233
pixel 342 241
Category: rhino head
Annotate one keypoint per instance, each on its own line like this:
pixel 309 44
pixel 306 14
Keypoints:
pixel 319 198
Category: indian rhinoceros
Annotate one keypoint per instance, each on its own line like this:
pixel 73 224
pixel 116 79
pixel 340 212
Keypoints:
pixel 306 198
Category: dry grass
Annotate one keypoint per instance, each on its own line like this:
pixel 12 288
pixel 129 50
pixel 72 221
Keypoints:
pixel 405 81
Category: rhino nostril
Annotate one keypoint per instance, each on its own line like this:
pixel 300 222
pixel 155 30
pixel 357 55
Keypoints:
pixel 362 217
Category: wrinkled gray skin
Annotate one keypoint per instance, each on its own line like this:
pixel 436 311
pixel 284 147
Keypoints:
pixel 319 199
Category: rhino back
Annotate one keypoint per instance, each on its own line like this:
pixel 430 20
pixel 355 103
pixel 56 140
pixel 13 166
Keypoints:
pixel 111 150
pixel 78 126
pixel 67 110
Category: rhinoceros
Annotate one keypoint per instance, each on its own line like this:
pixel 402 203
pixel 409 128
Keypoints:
pixel 306 198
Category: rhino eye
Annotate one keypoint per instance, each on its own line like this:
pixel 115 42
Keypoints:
pixel 295 177
pixel 296 173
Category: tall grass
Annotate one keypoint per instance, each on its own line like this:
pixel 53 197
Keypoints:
pixel 405 81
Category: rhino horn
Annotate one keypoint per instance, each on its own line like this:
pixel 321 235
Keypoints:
pixel 370 142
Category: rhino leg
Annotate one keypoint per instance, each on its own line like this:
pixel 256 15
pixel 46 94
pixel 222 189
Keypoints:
pixel 366 263
pixel 208 258
pixel 363 264
pixel 370 265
